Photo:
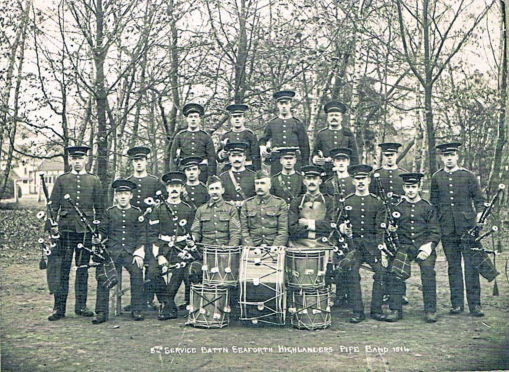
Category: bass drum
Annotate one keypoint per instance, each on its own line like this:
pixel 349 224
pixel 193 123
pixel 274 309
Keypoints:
pixel 209 307
pixel 262 289
pixel 310 308
pixel 221 266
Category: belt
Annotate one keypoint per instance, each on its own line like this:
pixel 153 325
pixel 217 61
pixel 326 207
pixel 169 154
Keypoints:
pixel 170 238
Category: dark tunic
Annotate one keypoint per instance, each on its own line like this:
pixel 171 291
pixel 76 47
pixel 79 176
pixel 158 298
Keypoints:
pixel 145 187
pixel 328 139
pixel 252 151
pixel 197 143
pixel 287 187
pixel 244 180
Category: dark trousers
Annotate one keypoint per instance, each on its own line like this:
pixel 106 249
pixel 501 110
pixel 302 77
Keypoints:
pixel 454 251
pixel 343 285
pixel 136 279
pixel 428 280
pixel 166 292
pixel 372 258
pixel 69 243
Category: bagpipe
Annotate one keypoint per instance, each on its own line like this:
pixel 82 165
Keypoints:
pixel 51 260
pixel 107 272
pixel 391 237
pixel 472 238
pixel 189 253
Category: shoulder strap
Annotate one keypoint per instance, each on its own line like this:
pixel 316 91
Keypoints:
pixel 238 188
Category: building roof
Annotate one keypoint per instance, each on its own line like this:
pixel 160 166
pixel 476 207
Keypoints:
pixel 55 164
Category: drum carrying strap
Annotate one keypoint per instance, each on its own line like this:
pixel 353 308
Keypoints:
pixel 238 188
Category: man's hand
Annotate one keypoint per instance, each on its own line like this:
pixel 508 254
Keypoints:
pixel 392 228
pixel 346 230
pixel 263 151
pixel 162 261
pixel 96 240
pixel 481 225
pixel 384 260
pixel 138 261
pixel 424 251
pixel 304 222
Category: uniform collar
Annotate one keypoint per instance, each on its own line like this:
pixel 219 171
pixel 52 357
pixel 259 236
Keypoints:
pixel 394 167
pixel 212 203
pixel 125 209
pixel 451 171
pixel 288 174
pixel 193 131
pixel 263 199
pixel 80 173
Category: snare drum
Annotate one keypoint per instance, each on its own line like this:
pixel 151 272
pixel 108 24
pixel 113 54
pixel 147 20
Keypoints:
pixel 221 266
pixel 310 308
pixel 209 307
pixel 306 268
pixel 262 290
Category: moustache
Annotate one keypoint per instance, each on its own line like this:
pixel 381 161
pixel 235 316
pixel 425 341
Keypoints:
pixel 312 184
pixel 175 192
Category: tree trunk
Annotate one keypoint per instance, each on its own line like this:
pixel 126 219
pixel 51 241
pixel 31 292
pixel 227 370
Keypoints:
pixel 495 173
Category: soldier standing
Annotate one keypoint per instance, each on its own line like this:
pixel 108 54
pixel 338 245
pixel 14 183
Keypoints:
pixel 86 192
pixel 238 181
pixel 389 172
pixel 195 193
pixel 339 186
pixel 310 215
pixel 288 184
pixel 147 185
pixel 169 230
pixel 366 216
pixel 194 141
pixel 455 192
pixel 264 217
pixel 333 137
pixel 121 228
pixel 418 234
pixel 239 133
pixel 284 131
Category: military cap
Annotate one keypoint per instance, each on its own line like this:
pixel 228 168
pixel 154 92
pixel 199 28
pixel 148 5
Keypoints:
pixel 411 178
pixel 360 170
pixel 123 185
pixel 334 106
pixel 77 150
pixel 237 108
pixel 448 147
pixel 312 170
pixel 261 174
pixel 138 152
pixel 190 161
pixel 193 107
pixel 236 146
pixel 283 95
pixel 214 179
pixel 342 152
pixel 392 147
pixel 288 151
pixel 174 177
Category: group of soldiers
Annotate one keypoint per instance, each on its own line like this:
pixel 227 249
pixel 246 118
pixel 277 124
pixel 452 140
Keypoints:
pixel 309 199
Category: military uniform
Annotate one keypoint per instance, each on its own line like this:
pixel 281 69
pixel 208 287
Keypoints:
pixel 328 139
pixel 318 208
pixel 418 225
pixel 146 187
pixel 168 231
pixel 196 195
pixel 253 161
pixel 454 195
pixel 366 215
pixel 244 188
pixel 86 192
pixel 390 180
pixel 338 187
pixel 121 227
pixel 197 143
pixel 287 186
pixel 217 223
pixel 264 221
pixel 286 133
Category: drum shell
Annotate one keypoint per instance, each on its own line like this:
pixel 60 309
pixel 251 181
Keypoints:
pixel 310 308
pixel 262 290
pixel 305 268
pixel 216 262
pixel 208 307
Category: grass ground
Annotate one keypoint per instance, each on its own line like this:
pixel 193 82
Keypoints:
pixel 30 343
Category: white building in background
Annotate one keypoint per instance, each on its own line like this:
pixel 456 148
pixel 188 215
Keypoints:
pixel 51 168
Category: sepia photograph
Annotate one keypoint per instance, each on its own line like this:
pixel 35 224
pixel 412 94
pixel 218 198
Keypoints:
pixel 261 185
